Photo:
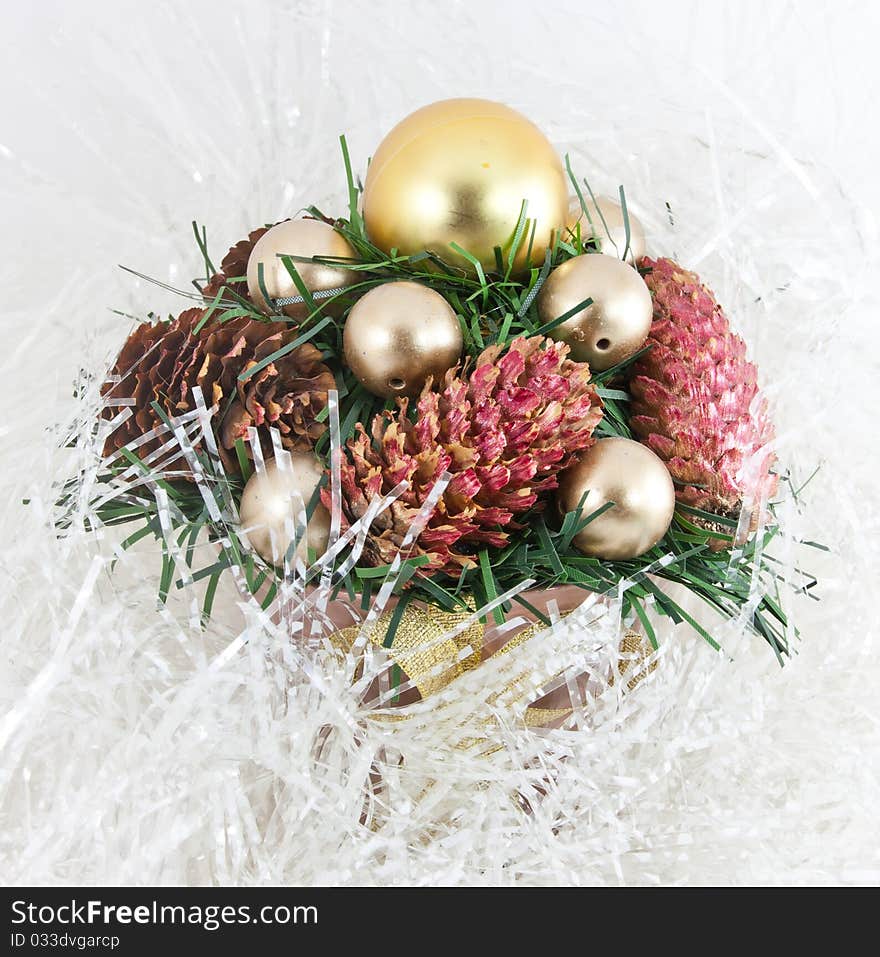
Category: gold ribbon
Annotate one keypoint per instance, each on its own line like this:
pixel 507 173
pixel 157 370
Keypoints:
pixel 422 648
pixel 430 658
pixel 635 650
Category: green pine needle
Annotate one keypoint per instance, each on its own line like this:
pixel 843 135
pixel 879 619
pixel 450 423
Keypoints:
pixel 494 306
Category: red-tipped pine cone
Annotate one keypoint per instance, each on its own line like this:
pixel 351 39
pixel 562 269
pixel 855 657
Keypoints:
pixel 696 401
pixel 504 432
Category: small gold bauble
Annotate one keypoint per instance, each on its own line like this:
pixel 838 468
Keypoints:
pixel 397 335
pixel 270 503
pixel 299 237
pixel 458 171
pixel 606 227
pixel 614 325
pixel 636 480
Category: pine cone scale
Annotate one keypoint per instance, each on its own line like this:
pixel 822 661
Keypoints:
pixel 233 268
pixel 504 432
pixel 695 399
pixel 162 362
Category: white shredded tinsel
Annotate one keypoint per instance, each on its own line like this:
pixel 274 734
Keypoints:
pixel 137 747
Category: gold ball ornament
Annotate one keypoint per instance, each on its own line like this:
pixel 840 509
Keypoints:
pixel 630 475
pixel 397 335
pixel 614 325
pixel 299 237
pixel 605 225
pixel 458 171
pixel 269 507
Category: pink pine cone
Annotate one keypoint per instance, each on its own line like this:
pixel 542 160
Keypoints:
pixel 696 401
pixel 504 432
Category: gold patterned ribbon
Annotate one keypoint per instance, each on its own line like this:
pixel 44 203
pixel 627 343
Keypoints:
pixel 431 655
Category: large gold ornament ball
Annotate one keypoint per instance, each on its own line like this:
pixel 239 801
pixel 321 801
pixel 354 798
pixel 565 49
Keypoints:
pixel 617 321
pixel 397 335
pixel 458 171
pixel 636 480
pixel 306 238
pixel 603 222
pixel 270 503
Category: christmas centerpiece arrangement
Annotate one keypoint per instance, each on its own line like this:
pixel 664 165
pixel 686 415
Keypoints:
pixel 439 422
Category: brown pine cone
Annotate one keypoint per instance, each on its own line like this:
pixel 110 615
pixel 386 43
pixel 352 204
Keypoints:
pixel 234 267
pixel 162 362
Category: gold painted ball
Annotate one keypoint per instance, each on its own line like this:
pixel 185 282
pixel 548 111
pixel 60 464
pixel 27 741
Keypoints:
pixel 606 226
pixel 397 335
pixel 270 503
pixel 458 171
pixel 614 325
pixel 306 238
pixel 637 481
